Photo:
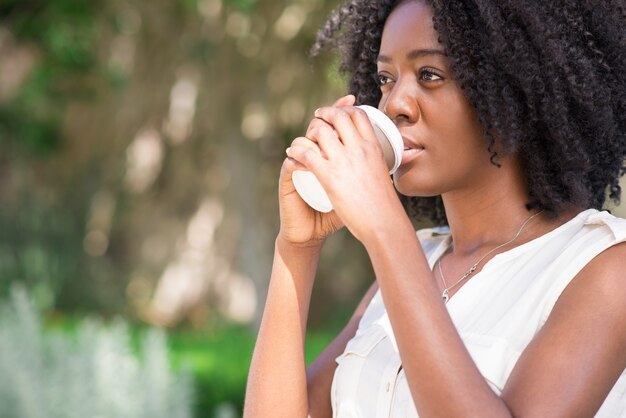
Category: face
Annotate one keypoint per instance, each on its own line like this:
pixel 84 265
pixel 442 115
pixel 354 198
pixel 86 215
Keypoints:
pixel 444 145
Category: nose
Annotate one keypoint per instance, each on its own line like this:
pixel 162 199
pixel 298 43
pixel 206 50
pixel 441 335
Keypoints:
pixel 401 103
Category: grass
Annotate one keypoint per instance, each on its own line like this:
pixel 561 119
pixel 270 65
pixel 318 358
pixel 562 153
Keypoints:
pixel 220 359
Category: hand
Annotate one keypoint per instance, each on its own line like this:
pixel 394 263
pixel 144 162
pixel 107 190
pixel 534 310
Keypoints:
pixel 344 154
pixel 299 223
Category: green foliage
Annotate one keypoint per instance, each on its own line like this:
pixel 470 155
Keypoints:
pixel 62 28
pixel 242 5
pixel 246 6
pixel 219 359
pixel 64 36
pixel 31 120
pixel 92 372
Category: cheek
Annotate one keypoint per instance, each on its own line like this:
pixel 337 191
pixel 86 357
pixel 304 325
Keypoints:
pixel 462 132
pixel 459 116
pixel 468 116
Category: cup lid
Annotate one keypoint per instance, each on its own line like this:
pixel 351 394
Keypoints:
pixel 390 131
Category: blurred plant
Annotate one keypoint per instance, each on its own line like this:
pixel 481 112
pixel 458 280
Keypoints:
pixel 92 372
pixel 61 35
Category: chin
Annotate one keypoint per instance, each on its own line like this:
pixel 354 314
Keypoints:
pixel 410 187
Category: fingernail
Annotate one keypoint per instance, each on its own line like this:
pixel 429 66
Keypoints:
pixel 287 150
pixel 316 111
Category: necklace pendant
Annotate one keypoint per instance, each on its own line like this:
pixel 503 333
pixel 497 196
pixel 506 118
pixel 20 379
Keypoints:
pixel 445 296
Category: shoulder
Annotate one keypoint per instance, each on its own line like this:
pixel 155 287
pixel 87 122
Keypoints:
pixel 609 222
pixel 596 296
pixel 602 279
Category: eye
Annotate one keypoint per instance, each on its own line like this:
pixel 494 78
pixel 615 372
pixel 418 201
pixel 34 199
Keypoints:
pixel 382 79
pixel 429 75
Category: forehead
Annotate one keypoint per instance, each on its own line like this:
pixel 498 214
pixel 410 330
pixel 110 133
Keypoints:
pixel 409 26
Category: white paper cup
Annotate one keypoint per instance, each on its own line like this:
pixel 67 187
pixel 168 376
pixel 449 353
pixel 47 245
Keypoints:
pixel 310 189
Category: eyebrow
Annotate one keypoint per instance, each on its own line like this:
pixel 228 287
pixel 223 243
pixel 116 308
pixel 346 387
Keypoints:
pixel 416 53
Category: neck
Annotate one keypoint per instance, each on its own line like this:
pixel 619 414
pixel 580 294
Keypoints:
pixel 489 213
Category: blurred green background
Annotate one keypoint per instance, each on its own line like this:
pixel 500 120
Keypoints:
pixel 140 146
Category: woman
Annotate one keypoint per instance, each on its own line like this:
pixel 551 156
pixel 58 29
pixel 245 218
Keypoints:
pixel 513 119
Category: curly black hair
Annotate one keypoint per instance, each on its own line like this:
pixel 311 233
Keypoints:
pixel 546 77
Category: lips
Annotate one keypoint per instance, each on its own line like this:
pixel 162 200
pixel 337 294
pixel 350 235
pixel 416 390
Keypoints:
pixel 411 144
pixel 411 149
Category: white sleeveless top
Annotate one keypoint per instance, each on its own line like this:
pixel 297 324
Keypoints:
pixel 497 313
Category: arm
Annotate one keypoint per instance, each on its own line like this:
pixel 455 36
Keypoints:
pixel 442 377
pixel 574 361
pixel 277 379
pixel 566 371
pixel 284 385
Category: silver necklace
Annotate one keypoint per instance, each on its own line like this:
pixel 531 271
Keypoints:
pixel 472 269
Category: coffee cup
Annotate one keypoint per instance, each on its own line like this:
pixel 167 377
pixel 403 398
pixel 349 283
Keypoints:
pixel 310 189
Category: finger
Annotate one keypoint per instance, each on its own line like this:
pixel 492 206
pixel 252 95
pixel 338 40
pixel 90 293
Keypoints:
pixel 315 123
pixel 290 165
pixel 363 123
pixel 301 145
pixel 351 123
pixel 307 142
pixel 326 138
pixel 290 162
pixel 347 100
pixel 310 157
